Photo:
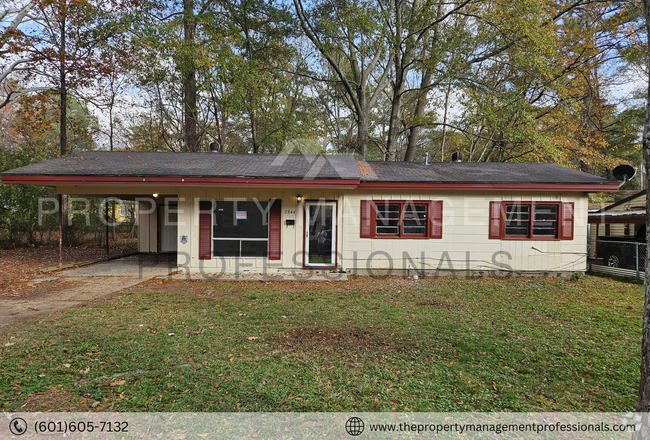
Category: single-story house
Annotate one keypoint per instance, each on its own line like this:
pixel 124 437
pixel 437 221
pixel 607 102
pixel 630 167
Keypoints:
pixel 272 213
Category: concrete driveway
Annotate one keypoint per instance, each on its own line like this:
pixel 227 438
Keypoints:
pixel 83 285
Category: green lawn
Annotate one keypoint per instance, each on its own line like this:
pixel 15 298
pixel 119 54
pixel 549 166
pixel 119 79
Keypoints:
pixel 369 344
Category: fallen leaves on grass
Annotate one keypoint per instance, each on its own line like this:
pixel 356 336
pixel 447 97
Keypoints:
pixel 18 267
pixel 197 333
pixel 434 303
pixel 348 338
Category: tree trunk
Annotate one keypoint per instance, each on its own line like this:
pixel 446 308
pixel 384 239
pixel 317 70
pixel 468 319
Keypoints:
pixel 423 93
pixel 110 127
pixel 256 147
pixel 643 404
pixel 395 111
pixel 63 92
pixel 363 132
pixel 444 126
pixel 189 79
pixel 250 95
pixel 218 126
pixel 111 121
pixel 399 62
pixel 63 108
pixel 362 135
pixel 355 87
pixel 418 113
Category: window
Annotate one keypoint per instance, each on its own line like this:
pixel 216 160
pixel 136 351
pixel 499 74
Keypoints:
pixel 405 219
pixel 401 219
pixel 544 220
pixel 531 220
pixel 240 229
pixel 125 210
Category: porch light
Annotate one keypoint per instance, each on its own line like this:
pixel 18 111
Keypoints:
pixel 155 194
pixel 299 199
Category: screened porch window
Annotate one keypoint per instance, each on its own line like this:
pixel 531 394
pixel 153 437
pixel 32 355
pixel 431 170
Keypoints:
pixel 240 229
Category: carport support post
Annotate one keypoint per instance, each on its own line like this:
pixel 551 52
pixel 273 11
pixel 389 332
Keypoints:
pixel 107 223
pixel 60 231
pixel 637 259
pixel 596 250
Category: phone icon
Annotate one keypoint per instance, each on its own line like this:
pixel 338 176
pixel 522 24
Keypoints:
pixel 18 426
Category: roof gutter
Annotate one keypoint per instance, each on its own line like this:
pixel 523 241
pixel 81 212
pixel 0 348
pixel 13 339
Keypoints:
pixel 217 181
pixel 52 181
pixel 527 187
pixel 618 217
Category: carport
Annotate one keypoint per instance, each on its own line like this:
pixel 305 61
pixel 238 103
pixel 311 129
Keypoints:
pixel 624 254
pixel 156 220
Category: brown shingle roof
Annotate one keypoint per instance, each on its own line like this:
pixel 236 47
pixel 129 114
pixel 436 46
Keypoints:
pixel 475 172
pixel 296 166
pixel 149 164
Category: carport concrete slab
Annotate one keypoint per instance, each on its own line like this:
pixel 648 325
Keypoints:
pixel 138 266
pixel 81 286
pixel 43 280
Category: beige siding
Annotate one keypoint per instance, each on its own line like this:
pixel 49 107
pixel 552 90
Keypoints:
pixel 635 203
pixel 619 229
pixel 147 228
pixel 292 236
pixel 465 245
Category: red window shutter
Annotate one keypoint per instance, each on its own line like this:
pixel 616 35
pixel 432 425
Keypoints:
pixel 367 218
pixel 205 229
pixel 567 221
pixel 275 230
pixel 495 219
pixel 435 219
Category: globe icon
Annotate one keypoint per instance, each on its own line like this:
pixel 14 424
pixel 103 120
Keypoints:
pixel 354 426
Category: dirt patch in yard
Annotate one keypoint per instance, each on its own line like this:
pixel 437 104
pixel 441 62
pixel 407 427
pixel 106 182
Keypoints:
pixel 57 400
pixel 37 290
pixel 19 266
pixel 33 293
pixel 47 298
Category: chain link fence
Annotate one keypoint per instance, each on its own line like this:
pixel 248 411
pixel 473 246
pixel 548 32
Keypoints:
pixel 90 224
pixel 620 257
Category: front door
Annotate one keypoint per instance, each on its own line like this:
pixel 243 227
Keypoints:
pixel 320 234
pixel 168 228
